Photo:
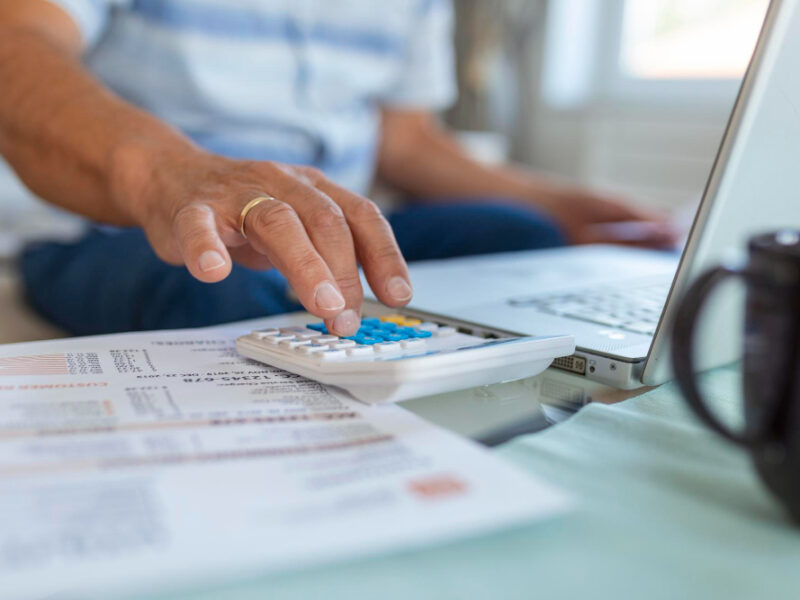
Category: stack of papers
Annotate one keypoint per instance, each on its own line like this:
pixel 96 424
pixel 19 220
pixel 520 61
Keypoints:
pixel 164 459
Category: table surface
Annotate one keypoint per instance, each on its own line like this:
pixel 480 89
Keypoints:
pixel 663 509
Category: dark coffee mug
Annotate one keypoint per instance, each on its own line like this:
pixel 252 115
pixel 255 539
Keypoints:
pixel 771 360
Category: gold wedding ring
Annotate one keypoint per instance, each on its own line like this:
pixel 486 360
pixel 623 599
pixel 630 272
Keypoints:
pixel 247 208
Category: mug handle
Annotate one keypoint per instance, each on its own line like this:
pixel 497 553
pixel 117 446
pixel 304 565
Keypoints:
pixel 683 351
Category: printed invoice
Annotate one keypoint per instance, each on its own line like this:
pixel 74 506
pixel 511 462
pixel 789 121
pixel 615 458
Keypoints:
pixel 165 459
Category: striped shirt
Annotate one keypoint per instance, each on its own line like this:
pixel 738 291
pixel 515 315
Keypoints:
pixel 295 81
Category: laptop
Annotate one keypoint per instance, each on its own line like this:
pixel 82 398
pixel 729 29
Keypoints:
pixel 618 302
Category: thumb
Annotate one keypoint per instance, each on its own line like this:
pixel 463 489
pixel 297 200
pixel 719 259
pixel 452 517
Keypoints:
pixel 198 240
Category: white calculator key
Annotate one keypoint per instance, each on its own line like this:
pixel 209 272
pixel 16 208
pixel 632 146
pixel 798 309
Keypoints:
pixel 262 333
pixel 428 326
pixel 413 344
pixel 360 351
pixel 445 331
pixel 309 334
pixel 332 354
pixel 341 344
pixel 324 339
pixel 274 339
pixel 300 332
pixel 311 349
pixel 385 347
pixel 294 343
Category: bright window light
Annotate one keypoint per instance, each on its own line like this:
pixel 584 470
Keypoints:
pixel 689 39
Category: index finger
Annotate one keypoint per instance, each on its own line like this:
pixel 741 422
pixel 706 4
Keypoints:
pixel 376 247
pixel 274 230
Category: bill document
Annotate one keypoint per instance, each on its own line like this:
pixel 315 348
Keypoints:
pixel 143 461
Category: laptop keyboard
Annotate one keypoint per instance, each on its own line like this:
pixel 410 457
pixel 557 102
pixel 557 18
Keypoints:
pixel 635 308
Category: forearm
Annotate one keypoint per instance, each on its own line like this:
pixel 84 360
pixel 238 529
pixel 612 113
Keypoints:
pixel 63 132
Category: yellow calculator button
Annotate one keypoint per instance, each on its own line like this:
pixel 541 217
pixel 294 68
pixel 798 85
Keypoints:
pixel 396 319
pixel 412 322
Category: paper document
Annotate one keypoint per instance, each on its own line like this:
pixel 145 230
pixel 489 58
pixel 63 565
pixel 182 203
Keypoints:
pixel 130 462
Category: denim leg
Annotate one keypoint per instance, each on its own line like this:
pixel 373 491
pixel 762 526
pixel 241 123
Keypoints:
pixel 461 229
pixel 110 282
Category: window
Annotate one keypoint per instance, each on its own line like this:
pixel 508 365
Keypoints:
pixel 688 39
pixel 648 52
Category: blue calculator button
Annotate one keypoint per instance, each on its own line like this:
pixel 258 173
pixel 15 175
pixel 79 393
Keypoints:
pixel 367 340
pixel 349 337
pixel 370 322
pixel 365 330
pixel 388 326
pixel 421 333
pixel 395 337
pixel 406 331
pixel 318 327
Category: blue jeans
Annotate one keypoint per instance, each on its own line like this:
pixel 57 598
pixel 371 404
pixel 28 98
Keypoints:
pixel 112 281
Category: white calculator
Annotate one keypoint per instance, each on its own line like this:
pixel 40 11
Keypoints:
pixel 396 357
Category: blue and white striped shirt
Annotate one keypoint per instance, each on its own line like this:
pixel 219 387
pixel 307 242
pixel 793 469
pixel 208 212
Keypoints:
pixel 296 81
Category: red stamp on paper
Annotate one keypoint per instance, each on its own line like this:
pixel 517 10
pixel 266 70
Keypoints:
pixel 435 487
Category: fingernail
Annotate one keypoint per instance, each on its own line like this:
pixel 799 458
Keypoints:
pixel 346 322
pixel 399 289
pixel 210 260
pixel 327 297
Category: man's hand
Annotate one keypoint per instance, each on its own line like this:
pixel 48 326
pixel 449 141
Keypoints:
pixel 189 204
pixel 77 145
pixel 588 217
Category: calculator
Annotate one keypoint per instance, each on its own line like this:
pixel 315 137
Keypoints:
pixel 395 357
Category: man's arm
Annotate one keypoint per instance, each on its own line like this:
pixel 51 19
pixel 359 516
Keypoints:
pixel 76 144
pixel 421 158
pixel 58 127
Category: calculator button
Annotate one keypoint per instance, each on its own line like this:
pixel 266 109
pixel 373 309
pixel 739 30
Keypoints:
pixel 387 326
pixel 413 345
pixel 262 333
pixel 386 347
pixel 395 337
pixel 293 343
pixel 428 326
pixel 368 340
pixel 445 331
pixel 396 319
pixel 324 339
pixel 370 322
pixel 341 344
pixel 274 339
pixel 360 351
pixel 421 333
pixel 412 322
pixel 311 349
pixel 300 332
pixel 308 334
pixel 332 354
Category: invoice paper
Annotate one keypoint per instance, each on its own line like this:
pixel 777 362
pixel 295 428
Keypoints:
pixel 136 461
